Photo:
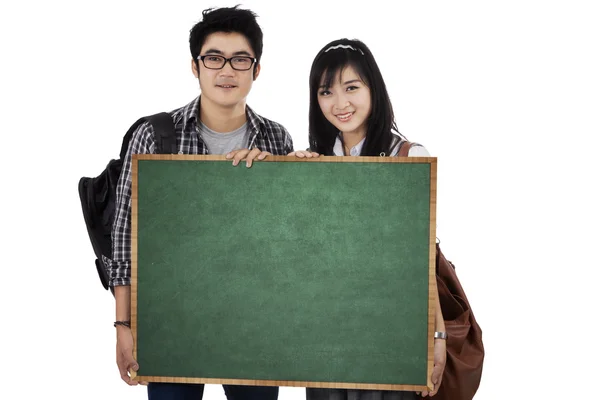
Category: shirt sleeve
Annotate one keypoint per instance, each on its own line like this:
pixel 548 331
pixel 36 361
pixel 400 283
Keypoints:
pixel 142 142
pixel 288 144
pixel 418 151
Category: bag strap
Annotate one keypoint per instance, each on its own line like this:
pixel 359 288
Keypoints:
pixel 404 148
pixel 164 132
pixel 128 136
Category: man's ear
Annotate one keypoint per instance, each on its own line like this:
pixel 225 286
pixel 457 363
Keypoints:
pixel 195 68
pixel 256 71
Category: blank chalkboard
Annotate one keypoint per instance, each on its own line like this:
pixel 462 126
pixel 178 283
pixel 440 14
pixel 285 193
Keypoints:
pixel 294 272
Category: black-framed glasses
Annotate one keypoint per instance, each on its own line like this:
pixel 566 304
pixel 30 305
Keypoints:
pixel 239 63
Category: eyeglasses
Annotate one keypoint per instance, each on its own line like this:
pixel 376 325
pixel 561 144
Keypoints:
pixel 238 63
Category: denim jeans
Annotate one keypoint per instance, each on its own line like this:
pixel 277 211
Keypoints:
pixel 193 391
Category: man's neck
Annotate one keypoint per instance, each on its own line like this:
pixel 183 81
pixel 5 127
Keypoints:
pixel 222 119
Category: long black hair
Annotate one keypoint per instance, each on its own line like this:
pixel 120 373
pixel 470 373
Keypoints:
pixel 331 60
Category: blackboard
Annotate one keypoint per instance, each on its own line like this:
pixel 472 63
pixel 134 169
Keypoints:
pixel 294 272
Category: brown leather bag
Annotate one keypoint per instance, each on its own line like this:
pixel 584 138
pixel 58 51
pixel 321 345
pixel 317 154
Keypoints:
pixel 464 347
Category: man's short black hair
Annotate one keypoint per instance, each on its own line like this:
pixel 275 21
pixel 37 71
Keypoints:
pixel 230 20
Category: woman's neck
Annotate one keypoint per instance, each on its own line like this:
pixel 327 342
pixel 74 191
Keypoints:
pixel 351 139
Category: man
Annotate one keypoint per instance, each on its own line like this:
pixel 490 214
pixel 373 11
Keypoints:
pixel 226 47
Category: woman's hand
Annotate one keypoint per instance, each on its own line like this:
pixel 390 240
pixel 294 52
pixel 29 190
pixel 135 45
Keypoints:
pixel 304 154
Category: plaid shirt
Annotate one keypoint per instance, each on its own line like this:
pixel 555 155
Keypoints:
pixel 264 134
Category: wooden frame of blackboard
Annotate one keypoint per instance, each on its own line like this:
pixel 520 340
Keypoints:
pixel 432 161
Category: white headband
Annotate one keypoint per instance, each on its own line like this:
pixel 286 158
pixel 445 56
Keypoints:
pixel 343 46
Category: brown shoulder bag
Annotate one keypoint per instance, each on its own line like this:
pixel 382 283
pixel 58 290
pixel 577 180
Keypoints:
pixel 464 347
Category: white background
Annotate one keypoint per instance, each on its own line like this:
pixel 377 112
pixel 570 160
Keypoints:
pixel 505 94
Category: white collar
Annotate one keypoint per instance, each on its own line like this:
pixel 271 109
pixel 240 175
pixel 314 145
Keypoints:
pixel 338 147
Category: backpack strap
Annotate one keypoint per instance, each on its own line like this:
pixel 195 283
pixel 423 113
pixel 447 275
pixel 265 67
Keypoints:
pixel 128 136
pixel 164 132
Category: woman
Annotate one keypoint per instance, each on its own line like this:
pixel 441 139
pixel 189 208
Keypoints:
pixel 351 114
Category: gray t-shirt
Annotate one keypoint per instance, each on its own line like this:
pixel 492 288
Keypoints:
pixel 223 143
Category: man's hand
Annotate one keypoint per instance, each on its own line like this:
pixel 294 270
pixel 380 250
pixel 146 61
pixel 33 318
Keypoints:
pixel 304 154
pixel 439 363
pixel 248 155
pixel 125 360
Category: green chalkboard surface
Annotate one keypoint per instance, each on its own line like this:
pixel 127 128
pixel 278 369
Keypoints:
pixel 293 272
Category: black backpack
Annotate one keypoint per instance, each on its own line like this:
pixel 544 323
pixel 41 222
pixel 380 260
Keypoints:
pixel 98 195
